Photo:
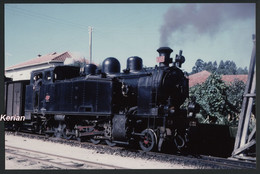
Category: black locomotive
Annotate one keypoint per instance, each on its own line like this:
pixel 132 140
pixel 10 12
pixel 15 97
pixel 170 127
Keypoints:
pixel 136 105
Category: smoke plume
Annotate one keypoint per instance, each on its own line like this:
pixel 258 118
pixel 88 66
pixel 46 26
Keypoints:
pixel 203 18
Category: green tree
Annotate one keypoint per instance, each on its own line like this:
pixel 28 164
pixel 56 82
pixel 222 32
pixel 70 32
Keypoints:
pixel 230 68
pixel 214 67
pixel 235 94
pixel 220 103
pixel 209 66
pixel 221 68
pixel 212 98
pixel 199 66
pixel 225 67
pixel 242 71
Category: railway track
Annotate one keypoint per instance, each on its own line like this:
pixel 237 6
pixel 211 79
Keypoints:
pixel 200 161
pixel 56 161
pixel 207 162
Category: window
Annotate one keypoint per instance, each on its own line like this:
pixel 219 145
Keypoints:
pixel 36 77
pixel 48 76
pixel 66 72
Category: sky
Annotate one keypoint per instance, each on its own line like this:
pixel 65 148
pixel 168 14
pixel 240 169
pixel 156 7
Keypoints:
pixel 206 31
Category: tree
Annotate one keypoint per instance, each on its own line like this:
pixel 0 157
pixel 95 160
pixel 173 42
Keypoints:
pixel 211 96
pixel 235 96
pixel 225 67
pixel 221 68
pixel 245 70
pixel 199 66
pixel 242 71
pixel 209 66
pixel 220 103
pixel 230 68
pixel 214 67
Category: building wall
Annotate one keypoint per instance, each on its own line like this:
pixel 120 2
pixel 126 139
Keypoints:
pixel 25 72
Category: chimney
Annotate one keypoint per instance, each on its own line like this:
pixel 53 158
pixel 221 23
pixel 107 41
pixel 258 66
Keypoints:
pixel 164 56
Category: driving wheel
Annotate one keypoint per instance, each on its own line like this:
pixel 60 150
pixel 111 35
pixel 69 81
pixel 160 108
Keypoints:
pixel 147 140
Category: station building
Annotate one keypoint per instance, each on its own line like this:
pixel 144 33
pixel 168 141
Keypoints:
pixel 22 71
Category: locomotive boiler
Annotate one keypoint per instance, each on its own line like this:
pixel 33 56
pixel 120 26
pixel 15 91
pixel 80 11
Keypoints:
pixel 139 104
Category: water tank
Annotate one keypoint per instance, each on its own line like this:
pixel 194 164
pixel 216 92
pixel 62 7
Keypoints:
pixel 134 64
pixel 111 66
pixel 90 69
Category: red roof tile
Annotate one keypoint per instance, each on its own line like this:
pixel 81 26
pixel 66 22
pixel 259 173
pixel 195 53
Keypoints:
pixel 198 78
pixel 231 78
pixel 202 76
pixel 53 57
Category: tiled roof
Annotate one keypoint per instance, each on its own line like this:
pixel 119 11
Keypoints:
pixel 198 78
pixel 231 78
pixel 202 76
pixel 53 57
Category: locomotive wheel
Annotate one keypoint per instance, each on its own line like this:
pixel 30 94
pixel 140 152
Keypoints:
pixel 148 141
pixel 58 131
pixel 62 132
pixel 110 143
pixel 65 134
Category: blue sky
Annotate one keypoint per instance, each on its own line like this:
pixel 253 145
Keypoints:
pixel 121 31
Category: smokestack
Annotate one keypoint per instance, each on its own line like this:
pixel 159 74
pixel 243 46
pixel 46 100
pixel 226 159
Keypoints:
pixel 164 56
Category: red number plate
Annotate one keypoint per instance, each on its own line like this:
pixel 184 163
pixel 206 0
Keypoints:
pixel 160 59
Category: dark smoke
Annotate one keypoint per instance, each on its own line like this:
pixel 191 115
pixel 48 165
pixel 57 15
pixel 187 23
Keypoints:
pixel 204 18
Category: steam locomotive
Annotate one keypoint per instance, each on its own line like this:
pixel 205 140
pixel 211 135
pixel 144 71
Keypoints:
pixel 138 105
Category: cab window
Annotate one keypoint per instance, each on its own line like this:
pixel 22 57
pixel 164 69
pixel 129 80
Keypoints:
pixel 48 77
pixel 36 77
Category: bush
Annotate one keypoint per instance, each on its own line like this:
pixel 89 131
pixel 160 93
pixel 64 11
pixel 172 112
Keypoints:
pixel 219 102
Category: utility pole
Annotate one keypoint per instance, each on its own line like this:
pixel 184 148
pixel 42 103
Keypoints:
pixel 90 29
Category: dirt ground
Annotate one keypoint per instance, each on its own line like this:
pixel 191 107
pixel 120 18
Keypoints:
pixel 15 162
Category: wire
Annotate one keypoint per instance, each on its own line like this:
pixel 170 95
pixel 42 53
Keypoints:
pixel 47 18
